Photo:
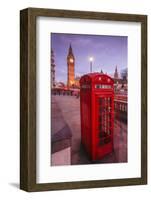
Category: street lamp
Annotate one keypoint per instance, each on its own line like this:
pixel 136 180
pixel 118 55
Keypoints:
pixel 91 60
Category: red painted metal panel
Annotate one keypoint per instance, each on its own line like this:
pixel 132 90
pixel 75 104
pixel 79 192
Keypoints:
pixel 97 114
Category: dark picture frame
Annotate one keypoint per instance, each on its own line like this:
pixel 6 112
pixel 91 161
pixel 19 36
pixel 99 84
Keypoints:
pixel 28 98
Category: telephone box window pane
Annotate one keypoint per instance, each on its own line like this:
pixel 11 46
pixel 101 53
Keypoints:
pixel 109 132
pixel 101 100
pixel 101 142
pixel 107 140
pixel 101 134
pixel 102 110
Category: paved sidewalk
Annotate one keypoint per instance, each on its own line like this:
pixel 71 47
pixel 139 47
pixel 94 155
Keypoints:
pixel 70 111
pixel 60 136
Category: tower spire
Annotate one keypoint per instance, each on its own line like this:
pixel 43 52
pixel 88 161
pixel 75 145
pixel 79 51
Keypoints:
pixel 70 52
pixel 116 69
pixel 116 73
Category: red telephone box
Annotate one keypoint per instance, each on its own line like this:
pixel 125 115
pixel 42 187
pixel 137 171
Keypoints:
pixel 97 114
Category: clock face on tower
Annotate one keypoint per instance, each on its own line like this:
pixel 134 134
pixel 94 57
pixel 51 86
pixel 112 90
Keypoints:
pixel 71 60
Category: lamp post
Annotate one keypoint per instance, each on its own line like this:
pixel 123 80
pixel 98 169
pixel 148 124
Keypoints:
pixel 91 60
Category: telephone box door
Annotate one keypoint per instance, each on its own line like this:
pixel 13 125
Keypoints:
pixel 104 125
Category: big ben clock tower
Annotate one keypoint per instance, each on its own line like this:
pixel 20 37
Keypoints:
pixel 70 65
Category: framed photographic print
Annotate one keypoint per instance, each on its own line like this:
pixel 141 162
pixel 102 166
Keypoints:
pixel 83 99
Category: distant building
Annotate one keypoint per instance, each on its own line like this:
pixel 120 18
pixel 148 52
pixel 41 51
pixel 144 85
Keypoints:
pixel 70 68
pixel 77 81
pixel 60 85
pixel 120 84
pixel 116 76
pixel 52 69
